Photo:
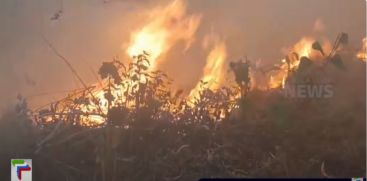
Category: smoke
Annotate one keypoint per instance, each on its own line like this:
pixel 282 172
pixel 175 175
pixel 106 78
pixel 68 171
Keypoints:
pixel 319 26
pixel 89 32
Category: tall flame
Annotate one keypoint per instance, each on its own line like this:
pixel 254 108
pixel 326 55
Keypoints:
pixel 213 70
pixel 167 26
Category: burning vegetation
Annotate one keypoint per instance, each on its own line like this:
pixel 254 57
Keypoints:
pixel 133 126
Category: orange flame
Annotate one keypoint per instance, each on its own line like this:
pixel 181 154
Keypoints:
pixel 213 70
pixel 168 25
pixel 302 48
pixel 362 54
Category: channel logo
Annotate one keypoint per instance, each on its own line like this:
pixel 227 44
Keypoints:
pixel 21 170
pixel 357 179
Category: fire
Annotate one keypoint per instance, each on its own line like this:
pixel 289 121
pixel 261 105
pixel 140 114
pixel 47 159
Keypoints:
pixel 303 48
pixel 362 54
pixel 102 106
pixel 213 70
pixel 167 26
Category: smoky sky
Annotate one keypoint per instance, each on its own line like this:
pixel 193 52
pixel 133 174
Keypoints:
pixel 89 32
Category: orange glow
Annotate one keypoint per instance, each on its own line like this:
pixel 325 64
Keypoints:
pixel 168 26
pixel 92 120
pixel 302 48
pixel 362 54
pixel 213 70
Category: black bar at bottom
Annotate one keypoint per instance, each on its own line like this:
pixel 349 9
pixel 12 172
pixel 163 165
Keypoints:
pixel 279 179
